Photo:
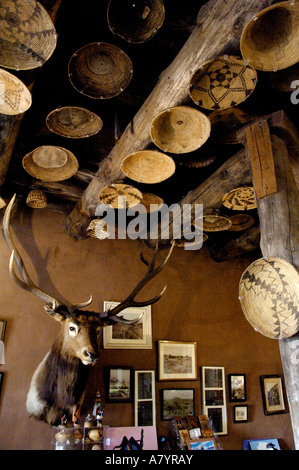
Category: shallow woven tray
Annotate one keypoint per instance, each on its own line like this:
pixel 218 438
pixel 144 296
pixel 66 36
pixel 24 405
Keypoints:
pixel 148 166
pixel 120 196
pixel 240 199
pixel 74 122
pixel 15 98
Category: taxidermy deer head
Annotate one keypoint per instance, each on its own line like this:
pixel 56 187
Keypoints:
pixel 58 384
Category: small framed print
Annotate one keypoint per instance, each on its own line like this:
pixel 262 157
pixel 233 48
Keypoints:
pixel 214 398
pixel 273 394
pixel 240 414
pixel 177 360
pixel 119 384
pixel 145 407
pixel 237 387
pixel 3 324
pixel 202 444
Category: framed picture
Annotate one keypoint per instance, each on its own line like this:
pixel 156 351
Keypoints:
pixel 3 324
pixel 237 387
pixel 145 398
pixel 136 336
pixel 214 397
pixel 177 402
pixel 263 444
pixel 240 414
pixel 177 360
pixel 1 380
pixel 119 384
pixel 273 394
pixel 202 444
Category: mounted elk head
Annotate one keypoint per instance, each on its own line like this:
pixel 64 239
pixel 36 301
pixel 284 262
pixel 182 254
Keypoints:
pixel 58 384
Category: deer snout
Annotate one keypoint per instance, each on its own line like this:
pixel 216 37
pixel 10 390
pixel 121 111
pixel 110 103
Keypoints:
pixel 91 356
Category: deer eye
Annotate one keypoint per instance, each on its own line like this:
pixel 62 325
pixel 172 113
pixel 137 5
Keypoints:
pixel 73 329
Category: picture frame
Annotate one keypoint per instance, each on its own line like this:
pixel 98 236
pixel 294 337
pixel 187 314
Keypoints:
pixel 145 398
pixel 177 402
pixel 177 360
pixel 3 324
pixel 214 397
pixel 119 384
pixel 237 387
pixel 202 444
pixel 1 381
pixel 263 444
pixel 273 394
pixel 136 336
pixel 240 414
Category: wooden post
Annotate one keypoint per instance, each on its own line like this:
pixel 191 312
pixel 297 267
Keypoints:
pixel 279 223
pixel 217 32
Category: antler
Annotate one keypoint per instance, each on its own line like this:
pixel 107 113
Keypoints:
pixel 130 301
pixel 26 282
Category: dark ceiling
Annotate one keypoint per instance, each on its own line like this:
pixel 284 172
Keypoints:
pixel 81 23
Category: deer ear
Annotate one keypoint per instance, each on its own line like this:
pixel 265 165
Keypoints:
pixel 54 314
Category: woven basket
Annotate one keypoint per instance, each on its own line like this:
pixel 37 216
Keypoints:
pixel 222 83
pixel 50 163
pixel 15 98
pixel 148 166
pixel 240 222
pixel 73 122
pixel 137 21
pixel 97 229
pixel 180 129
pixel 240 199
pixel 120 196
pixel 36 199
pixel 215 223
pixel 270 40
pixel 226 125
pixel 27 34
pixel 100 70
pixel 151 202
pixel 269 296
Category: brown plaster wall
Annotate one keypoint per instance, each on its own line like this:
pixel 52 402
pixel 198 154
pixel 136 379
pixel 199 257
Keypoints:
pixel 200 304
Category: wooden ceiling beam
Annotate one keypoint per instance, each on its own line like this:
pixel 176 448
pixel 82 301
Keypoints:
pixel 217 32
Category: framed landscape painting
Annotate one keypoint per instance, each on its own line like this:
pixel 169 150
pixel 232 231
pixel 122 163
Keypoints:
pixel 177 402
pixel 177 360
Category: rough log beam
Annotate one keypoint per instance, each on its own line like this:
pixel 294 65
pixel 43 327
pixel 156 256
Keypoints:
pixel 279 223
pixel 246 242
pixel 218 31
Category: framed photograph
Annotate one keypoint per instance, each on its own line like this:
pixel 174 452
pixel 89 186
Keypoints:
pixel 273 394
pixel 214 398
pixel 136 336
pixel 177 360
pixel 145 398
pixel 3 324
pixel 119 384
pixel 177 402
pixel 237 387
pixel 240 414
pixel 202 444
pixel 263 444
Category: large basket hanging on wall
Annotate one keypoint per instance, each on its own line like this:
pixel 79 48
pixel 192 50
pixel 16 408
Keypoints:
pixel 180 129
pixel 50 163
pixel 270 40
pixel 27 34
pixel 222 83
pixel 240 199
pixel 136 21
pixel 15 98
pixel 73 122
pixel 100 70
pixel 269 296
pixel 148 166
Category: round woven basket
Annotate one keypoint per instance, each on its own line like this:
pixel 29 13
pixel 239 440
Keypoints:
pixel 270 40
pixel 269 296
pixel 15 98
pixel 97 229
pixel 73 122
pixel 180 129
pixel 120 196
pixel 27 34
pixel 36 199
pixel 240 222
pixel 222 83
pixel 135 21
pixel 151 202
pixel 215 223
pixel 100 70
pixel 226 125
pixel 240 199
pixel 50 163
pixel 148 166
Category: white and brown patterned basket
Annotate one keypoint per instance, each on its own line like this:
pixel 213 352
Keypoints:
pixel 27 34
pixel 36 199
pixel 215 223
pixel 100 70
pixel 15 98
pixel 240 199
pixel 97 229
pixel 148 166
pixel 270 40
pixel 137 21
pixel 269 297
pixel 180 129
pixel 73 122
pixel 222 83
pixel 120 196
